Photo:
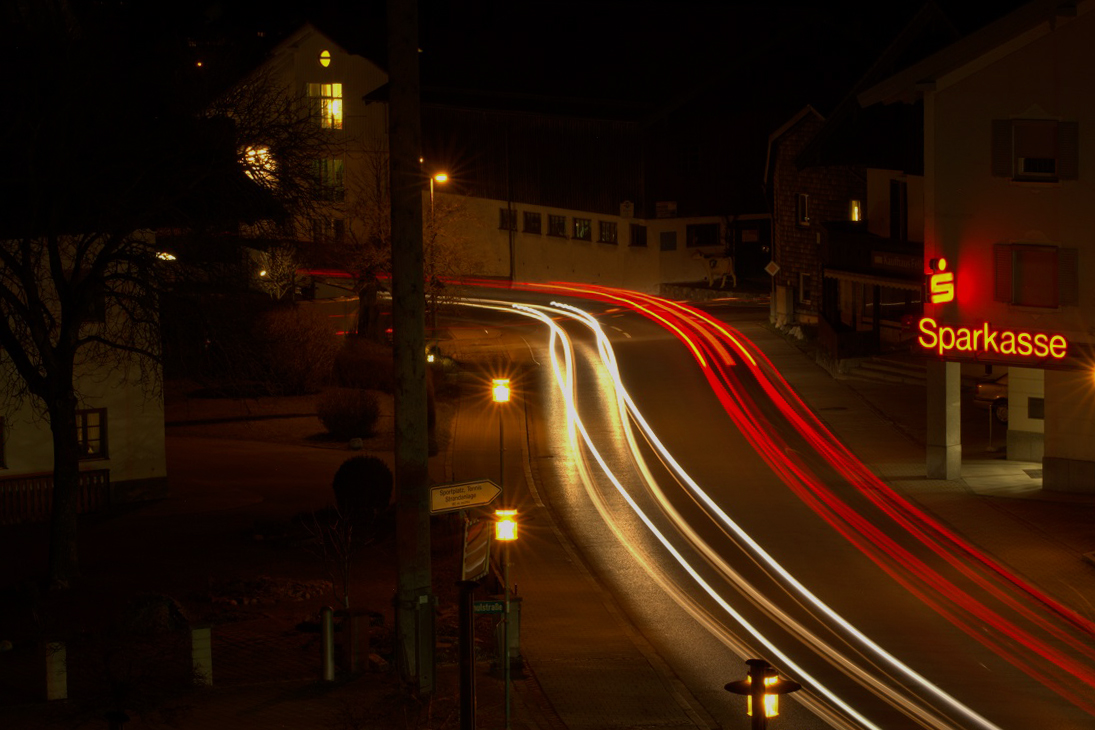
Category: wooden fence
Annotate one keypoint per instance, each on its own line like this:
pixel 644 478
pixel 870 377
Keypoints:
pixel 29 497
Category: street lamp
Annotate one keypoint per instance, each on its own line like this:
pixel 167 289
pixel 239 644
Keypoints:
pixel 500 394
pixel 441 179
pixel 505 530
pixel 762 687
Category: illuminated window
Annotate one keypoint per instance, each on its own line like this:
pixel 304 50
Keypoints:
pixel 324 58
pixel 507 219
pixel 802 210
pixel 1035 150
pixel 327 104
pixel 1032 275
pixel 91 433
pixel 532 222
pixel 557 225
pixel 606 232
pixel 259 165
pixel 855 211
pixel 583 229
pixel 638 235
pixel 328 179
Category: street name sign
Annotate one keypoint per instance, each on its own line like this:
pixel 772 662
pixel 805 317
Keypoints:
pixel 489 606
pixel 465 495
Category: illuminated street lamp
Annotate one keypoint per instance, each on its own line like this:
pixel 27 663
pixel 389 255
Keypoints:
pixel 762 688
pixel 441 178
pixel 505 530
pixel 500 394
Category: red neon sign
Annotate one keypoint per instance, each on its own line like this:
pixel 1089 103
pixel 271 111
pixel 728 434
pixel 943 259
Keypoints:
pixel 941 283
pixel 984 340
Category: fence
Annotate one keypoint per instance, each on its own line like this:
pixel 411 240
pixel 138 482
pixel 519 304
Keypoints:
pixel 29 497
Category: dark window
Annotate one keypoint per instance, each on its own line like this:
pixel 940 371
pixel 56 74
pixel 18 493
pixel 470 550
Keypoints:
pixel 702 234
pixel 638 235
pixel 802 210
pixel 1036 408
pixel 507 219
pixel 557 225
pixel 328 178
pixel 1036 275
pixel 1035 150
pixel 328 230
pixel 805 288
pixel 583 229
pixel 91 433
pixel 606 232
pixel 668 240
pixel 532 222
pixel 899 210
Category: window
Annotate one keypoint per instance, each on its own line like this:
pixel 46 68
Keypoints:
pixel 328 230
pixel 557 225
pixel 507 219
pixel 1036 275
pixel 899 210
pixel 1035 150
pixel 326 101
pixel 91 433
pixel 802 210
pixel 606 232
pixel 805 288
pixel 583 229
pixel 638 235
pixel 855 211
pixel 703 234
pixel 532 222
pixel 328 178
pixel 667 240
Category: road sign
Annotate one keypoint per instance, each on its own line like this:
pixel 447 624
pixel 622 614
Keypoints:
pixel 489 606
pixel 451 497
pixel 476 562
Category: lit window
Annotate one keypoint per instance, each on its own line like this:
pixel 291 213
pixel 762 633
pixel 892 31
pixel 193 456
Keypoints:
pixel 325 58
pixel 259 165
pixel 606 232
pixel 327 104
pixel 91 433
pixel 855 211
pixel 583 229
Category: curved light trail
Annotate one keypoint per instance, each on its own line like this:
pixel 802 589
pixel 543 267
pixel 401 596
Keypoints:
pixel 722 354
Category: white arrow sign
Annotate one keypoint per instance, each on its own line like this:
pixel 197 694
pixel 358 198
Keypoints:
pixel 451 497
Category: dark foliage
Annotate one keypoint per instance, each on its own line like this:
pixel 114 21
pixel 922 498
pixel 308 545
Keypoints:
pixel 363 488
pixel 348 412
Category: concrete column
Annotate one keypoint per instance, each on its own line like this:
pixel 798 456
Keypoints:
pixel 944 420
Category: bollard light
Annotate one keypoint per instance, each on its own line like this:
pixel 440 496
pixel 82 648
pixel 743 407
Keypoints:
pixel 766 696
pixel 500 390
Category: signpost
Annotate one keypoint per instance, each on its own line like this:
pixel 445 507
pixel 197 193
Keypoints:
pixel 490 606
pixel 465 495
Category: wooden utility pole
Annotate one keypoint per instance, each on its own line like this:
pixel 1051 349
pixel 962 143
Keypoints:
pixel 415 602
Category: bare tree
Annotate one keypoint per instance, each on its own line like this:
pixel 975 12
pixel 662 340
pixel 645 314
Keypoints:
pixel 100 151
pixel 366 253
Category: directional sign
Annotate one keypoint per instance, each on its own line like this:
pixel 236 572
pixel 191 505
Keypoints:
pixel 489 606
pixel 451 497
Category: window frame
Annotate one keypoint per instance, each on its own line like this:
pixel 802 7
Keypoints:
pixel 608 232
pixel 82 428
pixel 1009 142
pixel 637 241
pixel 802 210
pixel 557 225
pixel 330 179
pixel 327 106
pixel 507 215
pixel 582 229
pixel 531 215
pixel 1010 272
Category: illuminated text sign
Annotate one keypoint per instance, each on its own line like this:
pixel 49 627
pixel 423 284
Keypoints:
pixel 984 340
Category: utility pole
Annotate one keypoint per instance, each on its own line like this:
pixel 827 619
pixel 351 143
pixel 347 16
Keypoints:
pixel 414 599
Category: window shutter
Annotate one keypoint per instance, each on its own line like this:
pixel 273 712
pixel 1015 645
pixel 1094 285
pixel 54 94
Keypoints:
pixel 1001 148
pixel 1068 281
pixel 1068 151
pixel 1003 291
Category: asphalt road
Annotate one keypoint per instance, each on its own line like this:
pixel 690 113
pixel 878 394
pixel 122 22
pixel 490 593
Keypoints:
pixel 968 637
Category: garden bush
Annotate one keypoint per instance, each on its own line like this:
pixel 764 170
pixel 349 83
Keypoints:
pixel 362 363
pixel 363 488
pixel 298 349
pixel 348 412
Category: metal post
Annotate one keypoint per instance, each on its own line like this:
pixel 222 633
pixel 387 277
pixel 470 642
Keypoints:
pixel 327 643
pixel 505 629
pixel 501 454
pixel 758 670
pixel 467 654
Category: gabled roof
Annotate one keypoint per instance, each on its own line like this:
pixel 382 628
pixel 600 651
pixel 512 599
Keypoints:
pixel 997 39
pixel 787 126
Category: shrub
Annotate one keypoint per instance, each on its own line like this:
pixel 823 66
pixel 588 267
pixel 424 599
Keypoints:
pixel 348 412
pixel 362 363
pixel 363 488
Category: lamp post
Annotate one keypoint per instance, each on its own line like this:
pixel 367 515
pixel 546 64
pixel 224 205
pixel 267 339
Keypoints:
pixel 505 530
pixel 441 179
pixel 762 687
pixel 500 392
